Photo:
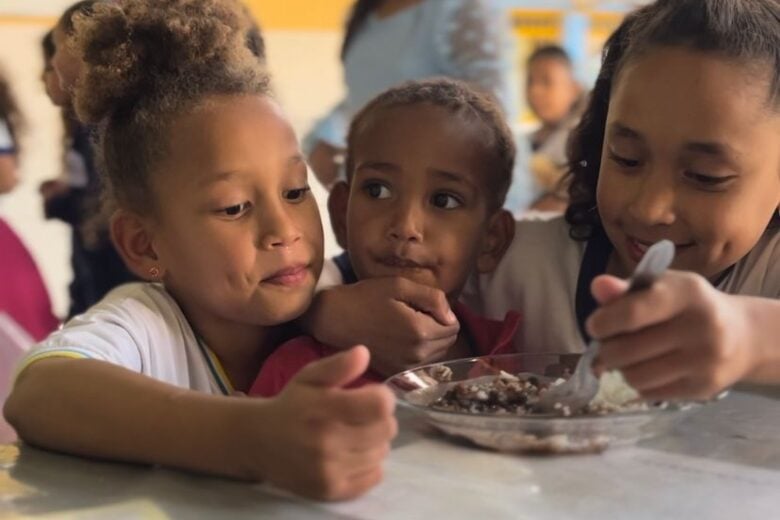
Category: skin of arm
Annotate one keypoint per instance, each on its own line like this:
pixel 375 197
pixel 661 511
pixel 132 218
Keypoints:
pixel 314 439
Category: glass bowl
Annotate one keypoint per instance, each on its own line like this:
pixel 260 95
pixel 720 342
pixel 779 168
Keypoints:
pixel 538 433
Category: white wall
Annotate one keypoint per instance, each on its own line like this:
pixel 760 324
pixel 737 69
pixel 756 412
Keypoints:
pixel 307 80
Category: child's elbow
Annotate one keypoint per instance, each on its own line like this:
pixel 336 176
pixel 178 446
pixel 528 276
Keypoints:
pixel 20 405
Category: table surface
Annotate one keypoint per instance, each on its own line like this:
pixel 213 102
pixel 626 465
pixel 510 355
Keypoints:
pixel 721 462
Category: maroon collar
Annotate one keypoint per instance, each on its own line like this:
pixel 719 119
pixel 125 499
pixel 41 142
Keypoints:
pixel 488 337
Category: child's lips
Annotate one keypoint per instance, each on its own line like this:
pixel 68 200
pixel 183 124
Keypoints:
pixel 288 277
pixel 637 248
pixel 397 262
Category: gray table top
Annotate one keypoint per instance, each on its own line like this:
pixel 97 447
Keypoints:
pixel 721 462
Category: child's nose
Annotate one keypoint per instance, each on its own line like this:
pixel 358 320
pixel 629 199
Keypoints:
pixel 654 200
pixel 277 229
pixel 407 224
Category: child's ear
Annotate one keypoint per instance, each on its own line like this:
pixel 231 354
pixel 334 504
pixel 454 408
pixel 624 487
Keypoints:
pixel 133 241
pixel 337 209
pixel 499 236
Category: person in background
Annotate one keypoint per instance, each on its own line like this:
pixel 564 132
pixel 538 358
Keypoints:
pixel 23 295
pixel 388 42
pixel 97 268
pixel 555 97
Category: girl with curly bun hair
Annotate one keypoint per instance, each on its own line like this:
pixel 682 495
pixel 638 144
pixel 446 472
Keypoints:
pixel 679 142
pixel 212 208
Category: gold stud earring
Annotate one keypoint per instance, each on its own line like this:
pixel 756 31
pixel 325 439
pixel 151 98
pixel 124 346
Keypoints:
pixel 154 272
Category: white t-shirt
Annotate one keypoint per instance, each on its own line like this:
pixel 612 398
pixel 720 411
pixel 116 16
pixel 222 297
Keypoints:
pixel 539 277
pixel 140 327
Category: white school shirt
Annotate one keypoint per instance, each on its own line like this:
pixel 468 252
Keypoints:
pixel 539 276
pixel 140 327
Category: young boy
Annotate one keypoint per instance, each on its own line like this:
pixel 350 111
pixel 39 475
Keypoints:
pixel 428 165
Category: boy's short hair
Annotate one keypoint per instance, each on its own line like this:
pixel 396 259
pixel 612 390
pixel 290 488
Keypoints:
pixel 458 98
pixel 555 52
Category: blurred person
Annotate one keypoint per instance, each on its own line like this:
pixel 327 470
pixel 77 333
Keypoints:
pixel 23 295
pixel 555 97
pixel 97 268
pixel 388 42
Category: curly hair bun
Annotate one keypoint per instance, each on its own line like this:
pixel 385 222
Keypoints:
pixel 138 49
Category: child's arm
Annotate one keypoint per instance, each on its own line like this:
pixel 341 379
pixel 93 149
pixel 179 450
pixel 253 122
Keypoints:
pixel 314 439
pixel 682 338
pixel 403 323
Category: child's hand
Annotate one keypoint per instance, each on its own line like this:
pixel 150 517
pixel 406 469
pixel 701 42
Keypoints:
pixel 403 323
pixel 679 339
pixel 325 442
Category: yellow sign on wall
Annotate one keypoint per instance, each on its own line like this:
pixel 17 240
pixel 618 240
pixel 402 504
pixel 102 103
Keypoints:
pixel 537 24
pixel 300 14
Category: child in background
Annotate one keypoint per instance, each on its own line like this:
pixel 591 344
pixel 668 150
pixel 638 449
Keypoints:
pixel 23 294
pixel 213 210
pixel 71 198
pixel 678 142
pixel 428 167
pixel 554 96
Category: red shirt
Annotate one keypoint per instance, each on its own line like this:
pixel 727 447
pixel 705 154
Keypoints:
pixel 487 337
pixel 23 295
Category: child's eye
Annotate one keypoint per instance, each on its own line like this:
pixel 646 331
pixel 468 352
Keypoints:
pixel 445 201
pixel 235 210
pixel 297 195
pixel 709 181
pixel 376 190
pixel 624 162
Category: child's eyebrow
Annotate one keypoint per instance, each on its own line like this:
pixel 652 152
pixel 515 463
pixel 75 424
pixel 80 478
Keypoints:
pixel 227 175
pixel 218 177
pixel 381 166
pixel 453 177
pixel 714 149
pixel 621 130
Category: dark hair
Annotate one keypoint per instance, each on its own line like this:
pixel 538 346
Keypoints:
pixel 9 112
pixel 549 52
pixel 747 30
pixel 458 98
pixel 84 7
pixel 146 62
pixel 357 19
pixel 47 46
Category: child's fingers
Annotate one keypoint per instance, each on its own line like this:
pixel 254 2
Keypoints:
pixel 337 370
pixel 638 310
pixel 360 484
pixel 425 299
pixel 363 405
pixel 679 389
pixel 656 373
pixel 357 462
pixel 624 350
pixel 606 288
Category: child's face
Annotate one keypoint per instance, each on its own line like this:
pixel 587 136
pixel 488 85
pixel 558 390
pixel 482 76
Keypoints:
pixel 690 154
pixel 418 201
pixel 65 63
pixel 237 234
pixel 551 89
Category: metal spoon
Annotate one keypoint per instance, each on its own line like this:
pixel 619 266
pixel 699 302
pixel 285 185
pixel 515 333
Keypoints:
pixel 576 392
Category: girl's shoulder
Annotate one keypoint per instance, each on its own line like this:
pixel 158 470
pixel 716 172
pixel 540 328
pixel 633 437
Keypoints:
pixel 133 319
